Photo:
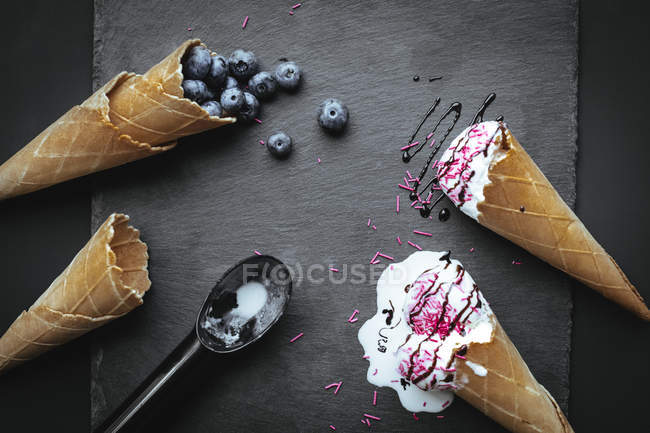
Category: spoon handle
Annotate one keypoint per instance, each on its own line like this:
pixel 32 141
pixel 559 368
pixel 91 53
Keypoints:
pixel 146 401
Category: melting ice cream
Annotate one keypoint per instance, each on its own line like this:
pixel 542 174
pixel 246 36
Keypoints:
pixel 429 310
pixel 463 169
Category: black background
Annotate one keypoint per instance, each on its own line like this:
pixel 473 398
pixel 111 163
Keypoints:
pixel 47 68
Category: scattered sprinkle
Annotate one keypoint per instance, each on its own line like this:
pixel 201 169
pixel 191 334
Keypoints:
pixel 290 12
pixel 364 421
pixel 243 26
pixel 257 252
pixel 375 262
pixel 334 269
pixel 385 256
pixel 471 250
pixel 296 337
pixel 368 222
pixel 408 146
pixel 399 241
pixel 397 204
pixel 262 142
pixel 418 232
pixel 516 262
pixel 405 187
pixel 460 356
pixel 445 404
pixel 374 257
pixel 374 227
pixel 332 427
pixel 424 404
pixel 374 398
pixel 414 245
pixel 415 417
pixel 366 357
pixel 318 160
pixel 296 6
pixel 258 120
pixel 375 373
pixel 376 418
pixel 440 416
pixel 189 29
pixel 351 319
pixel 335 384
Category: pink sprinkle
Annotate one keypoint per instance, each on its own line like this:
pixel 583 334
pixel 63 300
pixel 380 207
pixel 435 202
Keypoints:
pixel 375 262
pixel 375 373
pixel 296 6
pixel 374 227
pixel 386 256
pixel 296 337
pixel 432 142
pixel 354 313
pixel 189 29
pixel 424 404
pixel 368 422
pixel 397 204
pixel 257 252
pixel 243 26
pixel 418 232
pixel 376 418
pixel 374 398
pixel 460 356
pixel 415 143
pixel 290 12
pixel 399 241
pixel 440 416
pixel 374 257
pixel 445 404
pixel 258 120
pixel 262 142
pixel 368 222
pixel 334 270
pixel 332 427
pixel 471 250
pixel 416 417
pixel 395 380
pixel 414 245
pixel 430 135
pixel 363 421
pixel 319 160
pixel 405 187
pixel 516 262
pixel 335 384
pixel 409 174
pixel 366 357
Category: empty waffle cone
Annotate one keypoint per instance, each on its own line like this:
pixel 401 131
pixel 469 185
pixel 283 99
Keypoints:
pixel 521 205
pixel 507 392
pixel 105 280
pixel 129 118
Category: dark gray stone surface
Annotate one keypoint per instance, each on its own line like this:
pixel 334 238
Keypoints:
pixel 220 195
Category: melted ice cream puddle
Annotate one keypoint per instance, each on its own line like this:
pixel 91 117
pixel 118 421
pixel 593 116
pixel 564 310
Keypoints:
pixel 231 316
pixel 394 333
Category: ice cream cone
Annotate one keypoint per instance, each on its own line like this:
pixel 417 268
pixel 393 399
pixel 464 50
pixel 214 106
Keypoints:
pixel 129 118
pixel 105 280
pixel 520 204
pixel 499 384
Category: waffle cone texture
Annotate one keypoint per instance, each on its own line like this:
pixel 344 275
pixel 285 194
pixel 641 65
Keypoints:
pixel 105 280
pixel 508 393
pixel 129 118
pixel 521 205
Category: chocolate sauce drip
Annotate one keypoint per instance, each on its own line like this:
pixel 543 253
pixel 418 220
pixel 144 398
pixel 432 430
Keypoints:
pixel 478 118
pixel 444 214
pixel 499 118
pixel 446 257
pixel 462 351
pixel 389 311
pixel 404 383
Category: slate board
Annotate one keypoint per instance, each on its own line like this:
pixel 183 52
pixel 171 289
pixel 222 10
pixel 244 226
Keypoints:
pixel 219 196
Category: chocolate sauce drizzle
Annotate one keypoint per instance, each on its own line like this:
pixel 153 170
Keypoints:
pixel 455 109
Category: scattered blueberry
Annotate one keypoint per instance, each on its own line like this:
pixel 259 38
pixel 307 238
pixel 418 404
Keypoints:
pixel 196 90
pixel 279 144
pixel 217 73
pixel 197 63
pixel 242 64
pixel 249 109
pixel 288 75
pixel 232 100
pixel 263 85
pixel 213 108
pixel 230 83
pixel 332 115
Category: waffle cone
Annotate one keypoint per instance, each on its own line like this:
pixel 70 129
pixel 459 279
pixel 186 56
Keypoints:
pixel 547 227
pixel 508 393
pixel 129 118
pixel 105 280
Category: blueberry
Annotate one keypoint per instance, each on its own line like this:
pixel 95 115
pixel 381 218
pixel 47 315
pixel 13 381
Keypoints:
pixel 196 90
pixel 232 100
pixel 197 63
pixel 288 75
pixel 249 109
pixel 263 85
pixel 242 64
pixel 213 108
pixel 230 83
pixel 217 73
pixel 279 144
pixel 332 115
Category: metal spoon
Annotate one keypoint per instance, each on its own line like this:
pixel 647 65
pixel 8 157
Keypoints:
pixel 221 327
